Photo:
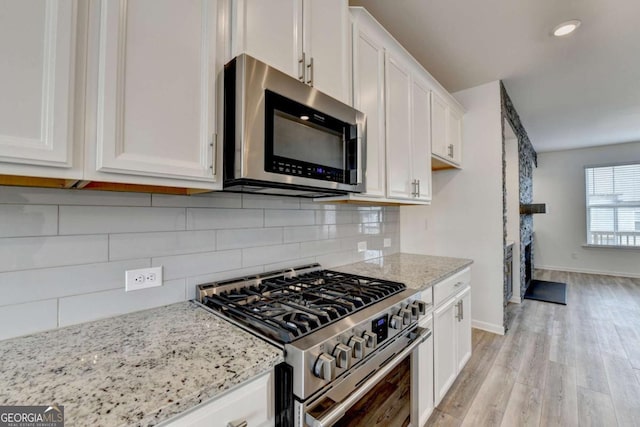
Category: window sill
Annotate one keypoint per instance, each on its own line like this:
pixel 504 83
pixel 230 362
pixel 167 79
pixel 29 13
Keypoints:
pixel 626 248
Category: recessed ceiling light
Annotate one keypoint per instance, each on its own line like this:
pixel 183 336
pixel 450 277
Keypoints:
pixel 566 28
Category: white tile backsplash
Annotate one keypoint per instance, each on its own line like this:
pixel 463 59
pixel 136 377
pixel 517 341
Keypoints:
pixel 23 253
pixel 28 220
pixel 108 219
pixel 63 253
pixel 22 319
pixel 147 245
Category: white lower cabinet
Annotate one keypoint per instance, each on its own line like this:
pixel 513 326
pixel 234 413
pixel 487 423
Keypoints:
pixel 251 402
pixel 422 378
pixel 451 330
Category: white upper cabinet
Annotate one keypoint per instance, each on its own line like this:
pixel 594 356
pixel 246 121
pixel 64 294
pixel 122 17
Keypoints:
pixel 398 91
pixel 37 110
pixel 446 136
pixel 368 97
pixel 152 76
pixel 307 39
pixel 421 140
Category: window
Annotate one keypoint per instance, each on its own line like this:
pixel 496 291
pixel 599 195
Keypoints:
pixel 613 205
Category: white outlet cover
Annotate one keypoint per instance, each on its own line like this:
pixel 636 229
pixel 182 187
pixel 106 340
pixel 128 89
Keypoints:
pixel 362 246
pixel 387 242
pixel 143 278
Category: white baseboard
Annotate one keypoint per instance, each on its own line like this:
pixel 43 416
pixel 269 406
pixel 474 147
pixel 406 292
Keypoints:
pixel 489 327
pixel 585 271
pixel 516 299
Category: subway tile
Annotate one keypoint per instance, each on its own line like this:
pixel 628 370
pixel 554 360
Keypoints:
pixel 336 259
pixel 207 200
pixel 21 253
pixel 344 230
pixel 87 307
pixel 23 319
pixel 319 247
pixel 257 201
pixel 283 218
pixel 147 245
pixel 289 263
pixel 305 233
pixel 183 266
pixel 28 220
pixel 106 219
pixel 47 283
pixel 54 196
pixel 334 217
pixel 270 254
pixel 363 216
pixel 193 281
pixel 210 219
pixel 248 237
pixel 371 229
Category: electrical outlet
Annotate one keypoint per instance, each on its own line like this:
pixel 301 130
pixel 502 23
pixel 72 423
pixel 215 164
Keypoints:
pixel 143 278
pixel 387 242
pixel 362 246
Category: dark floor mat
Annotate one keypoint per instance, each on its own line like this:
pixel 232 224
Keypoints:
pixel 542 290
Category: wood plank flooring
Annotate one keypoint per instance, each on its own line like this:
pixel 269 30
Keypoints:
pixel 574 365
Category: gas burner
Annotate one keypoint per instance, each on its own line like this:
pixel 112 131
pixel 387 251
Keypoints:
pixel 290 304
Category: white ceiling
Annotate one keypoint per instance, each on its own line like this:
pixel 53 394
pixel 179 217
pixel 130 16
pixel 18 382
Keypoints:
pixel 576 91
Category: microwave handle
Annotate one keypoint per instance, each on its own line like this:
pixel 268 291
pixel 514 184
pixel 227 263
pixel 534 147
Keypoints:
pixel 359 153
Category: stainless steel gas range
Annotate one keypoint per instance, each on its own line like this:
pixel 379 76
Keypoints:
pixel 340 334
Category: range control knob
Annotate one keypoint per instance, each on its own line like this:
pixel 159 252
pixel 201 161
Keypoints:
pixel 395 322
pixel 325 367
pixel 357 346
pixel 419 307
pixel 406 315
pixel 342 354
pixel 370 340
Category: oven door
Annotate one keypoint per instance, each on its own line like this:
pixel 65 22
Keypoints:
pixel 332 404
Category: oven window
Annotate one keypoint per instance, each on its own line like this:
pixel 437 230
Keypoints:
pixel 297 139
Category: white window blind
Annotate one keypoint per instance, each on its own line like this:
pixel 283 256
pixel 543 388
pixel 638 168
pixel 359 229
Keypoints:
pixel 613 205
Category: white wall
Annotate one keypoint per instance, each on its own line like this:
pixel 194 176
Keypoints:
pixel 465 217
pixel 63 253
pixel 561 233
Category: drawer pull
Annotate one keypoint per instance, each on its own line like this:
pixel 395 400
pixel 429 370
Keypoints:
pixel 457 284
pixel 239 423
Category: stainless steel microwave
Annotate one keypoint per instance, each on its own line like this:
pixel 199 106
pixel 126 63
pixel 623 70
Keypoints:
pixel 284 137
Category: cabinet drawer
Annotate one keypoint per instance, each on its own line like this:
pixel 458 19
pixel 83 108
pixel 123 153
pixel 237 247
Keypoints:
pixel 249 402
pixel 449 286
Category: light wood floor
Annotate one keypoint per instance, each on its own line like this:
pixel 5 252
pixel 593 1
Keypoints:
pixel 574 365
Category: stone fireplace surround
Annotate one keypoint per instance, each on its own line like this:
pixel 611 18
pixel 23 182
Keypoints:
pixel 528 158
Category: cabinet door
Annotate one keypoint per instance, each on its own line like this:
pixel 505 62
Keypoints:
pixel 369 98
pixel 444 344
pixel 454 136
pixel 156 89
pixel 270 31
pixel 421 140
pixel 463 306
pixel 439 113
pixel 251 402
pixel 326 45
pixel 37 44
pixel 398 147
pixel 422 379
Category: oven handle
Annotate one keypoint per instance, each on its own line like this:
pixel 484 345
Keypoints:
pixel 419 335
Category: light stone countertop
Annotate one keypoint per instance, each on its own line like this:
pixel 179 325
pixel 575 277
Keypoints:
pixel 137 369
pixel 415 271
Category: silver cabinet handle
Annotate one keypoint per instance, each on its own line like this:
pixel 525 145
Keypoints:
pixel 214 150
pixel 458 311
pixel 310 67
pixel 301 67
pixel 461 310
pixel 418 190
pixel 414 188
pixel 240 423
pixel 450 147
